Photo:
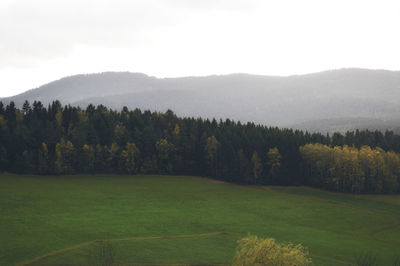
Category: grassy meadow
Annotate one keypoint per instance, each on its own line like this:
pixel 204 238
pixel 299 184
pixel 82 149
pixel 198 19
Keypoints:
pixel 184 220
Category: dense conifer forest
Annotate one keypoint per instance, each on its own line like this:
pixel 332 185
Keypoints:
pixel 68 140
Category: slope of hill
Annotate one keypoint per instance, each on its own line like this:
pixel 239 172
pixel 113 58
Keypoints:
pixel 278 101
pixel 71 89
pixel 184 220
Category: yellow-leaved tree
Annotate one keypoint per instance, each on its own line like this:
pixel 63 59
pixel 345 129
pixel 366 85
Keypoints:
pixel 65 155
pixel 266 251
pixel 128 158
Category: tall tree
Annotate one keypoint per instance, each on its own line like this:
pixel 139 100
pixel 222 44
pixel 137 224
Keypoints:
pixel 274 164
pixel 65 156
pixel 43 161
pixel 129 157
pixel 87 159
pixel 257 166
pixel 211 148
pixel 165 152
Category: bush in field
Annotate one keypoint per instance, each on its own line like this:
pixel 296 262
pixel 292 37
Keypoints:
pixel 259 251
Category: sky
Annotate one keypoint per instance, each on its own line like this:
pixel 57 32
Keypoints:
pixel 45 40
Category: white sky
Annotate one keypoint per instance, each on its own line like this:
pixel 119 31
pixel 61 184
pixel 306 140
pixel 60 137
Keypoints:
pixel 44 40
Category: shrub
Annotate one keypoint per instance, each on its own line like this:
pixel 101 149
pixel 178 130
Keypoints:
pixel 259 251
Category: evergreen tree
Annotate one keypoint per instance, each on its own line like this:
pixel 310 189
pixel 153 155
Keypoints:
pixel 211 150
pixel 165 152
pixel 274 164
pixel 43 161
pixel 257 166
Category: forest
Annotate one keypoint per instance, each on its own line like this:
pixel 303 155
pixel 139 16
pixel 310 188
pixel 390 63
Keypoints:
pixel 69 140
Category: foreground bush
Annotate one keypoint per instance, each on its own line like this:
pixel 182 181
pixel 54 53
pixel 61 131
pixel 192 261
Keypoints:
pixel 259 251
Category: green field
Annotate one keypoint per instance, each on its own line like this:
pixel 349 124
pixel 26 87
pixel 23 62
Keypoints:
pixel 185 220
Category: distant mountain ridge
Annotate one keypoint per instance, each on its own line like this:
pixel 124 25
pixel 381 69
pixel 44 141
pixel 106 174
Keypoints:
pixel 345 97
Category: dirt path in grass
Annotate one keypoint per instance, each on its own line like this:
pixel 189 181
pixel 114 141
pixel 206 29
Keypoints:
pixel 85 244
pixel 39 259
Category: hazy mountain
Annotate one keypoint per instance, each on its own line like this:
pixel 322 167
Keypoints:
pixel 344 124
pixel 330 100
pixel 79 87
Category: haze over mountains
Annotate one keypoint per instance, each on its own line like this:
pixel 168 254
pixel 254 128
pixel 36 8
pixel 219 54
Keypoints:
pixel 336 100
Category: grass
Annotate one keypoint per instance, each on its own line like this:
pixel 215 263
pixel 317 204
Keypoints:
pixel 185 220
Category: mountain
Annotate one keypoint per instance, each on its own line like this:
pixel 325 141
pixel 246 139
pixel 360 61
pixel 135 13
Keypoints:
pixel 345 124
pixel 324 101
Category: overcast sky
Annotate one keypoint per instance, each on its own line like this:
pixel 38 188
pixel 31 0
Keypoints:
pixel 44 40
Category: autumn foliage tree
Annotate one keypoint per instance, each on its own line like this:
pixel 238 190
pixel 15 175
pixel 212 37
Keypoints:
pixel 65 156
pixel 266 251
pixel 129 157
pixel 348 169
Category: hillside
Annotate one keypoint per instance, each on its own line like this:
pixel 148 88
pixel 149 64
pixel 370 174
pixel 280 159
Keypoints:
pixel 184 220
pixel 295 101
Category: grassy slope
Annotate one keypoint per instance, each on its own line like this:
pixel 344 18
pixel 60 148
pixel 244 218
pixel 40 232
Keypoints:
pixel 43 214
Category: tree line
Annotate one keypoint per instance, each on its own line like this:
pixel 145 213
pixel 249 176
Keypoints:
pixel 67 140
pixel 349 169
